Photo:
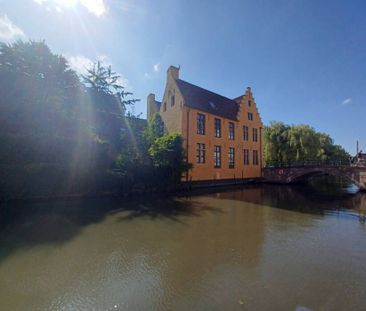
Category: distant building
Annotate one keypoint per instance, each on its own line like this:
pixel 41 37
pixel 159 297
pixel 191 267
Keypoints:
pixel 359 159
pixel 222 136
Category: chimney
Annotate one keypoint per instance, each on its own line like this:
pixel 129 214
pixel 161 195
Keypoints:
pixel 174 72
pixel 151 105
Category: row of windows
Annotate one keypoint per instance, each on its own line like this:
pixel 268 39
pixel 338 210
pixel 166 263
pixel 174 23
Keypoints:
pixel 201 127
pixel 201 156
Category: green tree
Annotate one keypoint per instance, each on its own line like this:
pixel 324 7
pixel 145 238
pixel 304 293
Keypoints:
pixel 303 142
pixel 167 155
pixel 46 125
pixel 155 129
pixel 39 92
pixel 299 143
pixel 276 147
pixel 106 83
pixel 109 102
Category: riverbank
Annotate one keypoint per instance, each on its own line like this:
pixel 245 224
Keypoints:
pixel 181 189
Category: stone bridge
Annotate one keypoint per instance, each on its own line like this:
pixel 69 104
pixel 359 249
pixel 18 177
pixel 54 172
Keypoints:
pixel 294 174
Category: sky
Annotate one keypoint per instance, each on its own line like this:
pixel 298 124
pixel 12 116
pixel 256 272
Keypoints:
pixel 305 60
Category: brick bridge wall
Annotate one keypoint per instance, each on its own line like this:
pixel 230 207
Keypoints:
pixel 287 175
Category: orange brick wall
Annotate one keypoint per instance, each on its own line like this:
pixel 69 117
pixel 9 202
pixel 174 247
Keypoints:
pixel 207 171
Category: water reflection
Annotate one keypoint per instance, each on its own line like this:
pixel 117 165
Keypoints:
pixel 257 248
pixel 27 225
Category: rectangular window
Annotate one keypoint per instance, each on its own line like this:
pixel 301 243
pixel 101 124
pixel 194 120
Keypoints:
pixel 245 132
pixel 231 157
pixel 249 103
pixel 217 127
pixel 255 134
pixel 164 106
pixel 250 116
pixel 201 123
pixel 255 157
pixel 172 101
pixel 217 156
pixel 231 130
pixel 200 154
pixel 246 156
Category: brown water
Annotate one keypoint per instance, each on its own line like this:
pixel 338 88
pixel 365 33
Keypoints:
pixel 261 248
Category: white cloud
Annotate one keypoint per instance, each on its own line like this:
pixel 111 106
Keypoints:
pixel 8 30
pixel 96 7
pixel 157 67
pixel 347 101
pixel 122 80
pixel 81 63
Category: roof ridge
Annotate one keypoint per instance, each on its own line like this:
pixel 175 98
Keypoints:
pixel 205 89
pixel 239 97
pixel 205 100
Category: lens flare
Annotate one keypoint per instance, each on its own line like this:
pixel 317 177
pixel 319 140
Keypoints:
pixel 66 3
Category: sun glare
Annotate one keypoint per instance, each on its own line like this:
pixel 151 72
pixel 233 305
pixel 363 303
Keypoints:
pixel 96 7
pixel 66 3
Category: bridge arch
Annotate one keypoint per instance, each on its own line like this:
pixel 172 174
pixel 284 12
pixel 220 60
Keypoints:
pixel 321 172
pixel 288 175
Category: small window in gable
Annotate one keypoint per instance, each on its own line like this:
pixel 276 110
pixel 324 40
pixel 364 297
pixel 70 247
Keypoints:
pixel 164 107
pixel 172 100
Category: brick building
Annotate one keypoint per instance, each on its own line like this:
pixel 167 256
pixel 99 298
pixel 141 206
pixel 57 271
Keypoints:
pixel 222 136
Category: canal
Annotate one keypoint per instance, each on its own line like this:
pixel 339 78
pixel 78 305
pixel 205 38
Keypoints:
pixel 257 248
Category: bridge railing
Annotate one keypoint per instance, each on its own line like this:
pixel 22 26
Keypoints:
pixel 307 163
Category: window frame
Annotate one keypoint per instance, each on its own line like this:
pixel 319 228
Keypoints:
pixel 217 156
pixel 231 131
pixel 255 157
pixel 246 160
pixel 217 128
pixel 231 155
pixel 200 153
pixel 255 134
pixel 245 133
pixel 201 123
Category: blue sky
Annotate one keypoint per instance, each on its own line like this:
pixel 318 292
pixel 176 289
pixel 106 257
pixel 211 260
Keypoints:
pixel 305 60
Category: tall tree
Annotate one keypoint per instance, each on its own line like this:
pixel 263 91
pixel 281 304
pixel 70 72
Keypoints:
pixel 105 82
pixel 46 124
pixel 298 143
pixel 39 92
pixel 155 129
